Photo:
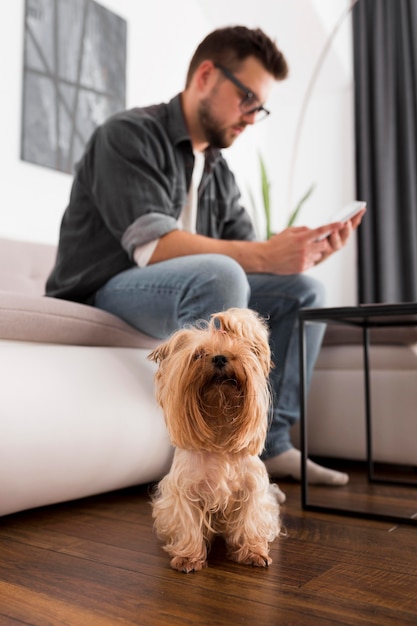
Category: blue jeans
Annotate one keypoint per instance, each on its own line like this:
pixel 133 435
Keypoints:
pixel 163 297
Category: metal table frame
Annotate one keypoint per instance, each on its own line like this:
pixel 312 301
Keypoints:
pixel 365 317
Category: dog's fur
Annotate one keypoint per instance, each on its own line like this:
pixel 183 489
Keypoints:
pixel 212 384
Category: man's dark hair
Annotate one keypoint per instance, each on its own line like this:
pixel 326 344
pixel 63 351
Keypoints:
pixel 231 45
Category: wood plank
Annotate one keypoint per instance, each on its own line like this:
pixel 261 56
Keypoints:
pixel 98 561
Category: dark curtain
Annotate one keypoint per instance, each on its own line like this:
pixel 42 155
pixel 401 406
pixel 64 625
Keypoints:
pixel 385 70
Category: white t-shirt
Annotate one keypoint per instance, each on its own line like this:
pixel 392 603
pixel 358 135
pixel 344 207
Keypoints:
pixel 187 220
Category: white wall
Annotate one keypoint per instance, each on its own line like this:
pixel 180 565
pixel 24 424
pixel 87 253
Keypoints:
pixel 160 43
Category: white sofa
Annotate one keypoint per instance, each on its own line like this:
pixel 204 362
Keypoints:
pixel 77 409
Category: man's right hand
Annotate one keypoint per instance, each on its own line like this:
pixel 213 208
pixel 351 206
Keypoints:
pixel 297 249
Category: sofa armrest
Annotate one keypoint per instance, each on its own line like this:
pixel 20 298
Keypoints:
pixel 51 320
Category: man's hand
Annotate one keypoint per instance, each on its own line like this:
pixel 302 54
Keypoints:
pixel 339 237
pixel 299 248
pixel 294 250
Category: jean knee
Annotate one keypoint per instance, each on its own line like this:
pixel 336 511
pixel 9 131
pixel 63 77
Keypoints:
pixel 219 283
pixel 226 282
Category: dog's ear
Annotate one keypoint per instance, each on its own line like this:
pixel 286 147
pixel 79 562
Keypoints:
pixel 175 343
pixel 159 354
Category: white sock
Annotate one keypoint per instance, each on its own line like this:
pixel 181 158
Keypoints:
pixel 289 464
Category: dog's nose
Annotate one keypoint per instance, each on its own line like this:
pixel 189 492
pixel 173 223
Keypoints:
pixel 219 360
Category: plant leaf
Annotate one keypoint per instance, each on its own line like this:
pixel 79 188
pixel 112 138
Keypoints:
pixel 298 208
pixel 266 196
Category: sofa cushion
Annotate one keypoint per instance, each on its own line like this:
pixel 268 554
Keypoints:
pixel 50 320
pixel 27 315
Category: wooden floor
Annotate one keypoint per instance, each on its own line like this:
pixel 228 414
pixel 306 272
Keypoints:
pixel 97 561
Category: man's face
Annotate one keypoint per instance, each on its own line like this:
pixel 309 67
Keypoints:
pixel 220 115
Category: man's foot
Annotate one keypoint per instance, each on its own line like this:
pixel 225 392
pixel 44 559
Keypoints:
pixel 289 464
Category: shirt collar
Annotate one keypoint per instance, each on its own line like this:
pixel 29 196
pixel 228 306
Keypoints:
pixel 177 128
pixel 178 131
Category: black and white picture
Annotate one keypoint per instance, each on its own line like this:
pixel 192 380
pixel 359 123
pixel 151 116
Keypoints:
pixel 74 77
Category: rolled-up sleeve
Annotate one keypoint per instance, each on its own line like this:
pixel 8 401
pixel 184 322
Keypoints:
pixel 147 228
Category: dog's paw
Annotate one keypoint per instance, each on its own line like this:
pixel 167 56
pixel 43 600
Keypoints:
pixel 187 565
pixel 259 560
pixel 252 558
pixel 277 493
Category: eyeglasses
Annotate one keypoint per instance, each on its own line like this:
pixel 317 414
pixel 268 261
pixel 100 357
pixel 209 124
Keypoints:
pixel 248 105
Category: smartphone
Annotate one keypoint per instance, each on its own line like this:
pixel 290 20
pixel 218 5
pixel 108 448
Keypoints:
pixel 345 214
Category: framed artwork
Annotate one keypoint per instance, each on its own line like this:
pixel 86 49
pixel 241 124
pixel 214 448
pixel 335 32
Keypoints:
pixel 74 77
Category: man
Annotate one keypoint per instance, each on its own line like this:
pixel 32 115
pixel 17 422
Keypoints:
pixel 154 231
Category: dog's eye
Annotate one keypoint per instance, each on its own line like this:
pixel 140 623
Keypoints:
pixel 198 355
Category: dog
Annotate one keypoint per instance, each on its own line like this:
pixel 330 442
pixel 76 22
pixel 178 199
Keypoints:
pixel 212 385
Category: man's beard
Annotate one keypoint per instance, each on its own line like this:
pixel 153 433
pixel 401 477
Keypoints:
pixel 216 136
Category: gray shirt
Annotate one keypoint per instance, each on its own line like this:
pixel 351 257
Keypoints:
pixel 129 188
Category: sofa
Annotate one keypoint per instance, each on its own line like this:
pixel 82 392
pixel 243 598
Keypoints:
pixel 77 410
pixel 78 414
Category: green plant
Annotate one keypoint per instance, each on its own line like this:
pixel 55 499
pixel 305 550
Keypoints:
pixel 299 206
pixel 266 196
pixel 266 199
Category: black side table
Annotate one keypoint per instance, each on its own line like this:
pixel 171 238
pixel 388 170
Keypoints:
pixel 365 318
